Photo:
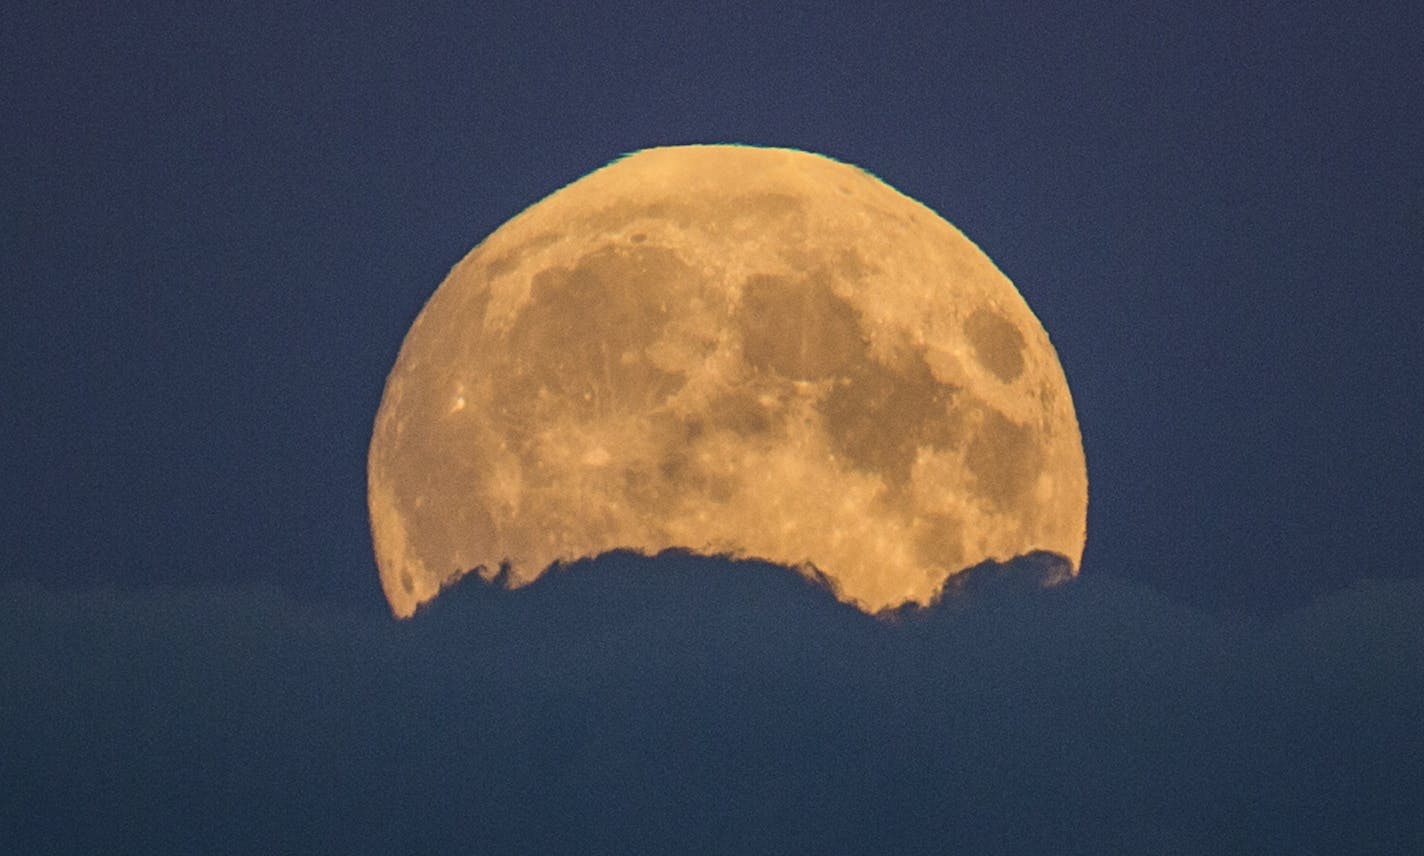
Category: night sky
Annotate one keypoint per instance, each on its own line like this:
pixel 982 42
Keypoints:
pixel 219 224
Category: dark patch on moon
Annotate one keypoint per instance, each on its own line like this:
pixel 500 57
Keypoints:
pixel 740 413
pixel 853 266
pixel 997 344
pixel 878 417
pixel 1004 459
pixel 799 331
pixel 676 474
pixel 583 336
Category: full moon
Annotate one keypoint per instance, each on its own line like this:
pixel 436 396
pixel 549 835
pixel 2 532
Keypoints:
pixel 753 351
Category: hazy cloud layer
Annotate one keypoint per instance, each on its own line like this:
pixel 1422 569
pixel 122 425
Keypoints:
pixel 696 705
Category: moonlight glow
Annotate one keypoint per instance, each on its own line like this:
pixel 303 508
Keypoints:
pixel 730 349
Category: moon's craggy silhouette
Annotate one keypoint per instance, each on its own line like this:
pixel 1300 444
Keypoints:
pixel 755 351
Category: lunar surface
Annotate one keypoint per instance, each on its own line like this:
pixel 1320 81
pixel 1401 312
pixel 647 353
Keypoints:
pixel 753 351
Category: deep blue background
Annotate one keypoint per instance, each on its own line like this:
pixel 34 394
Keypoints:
pixel 220 220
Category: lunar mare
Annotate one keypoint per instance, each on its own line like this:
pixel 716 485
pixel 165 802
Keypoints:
pixel 756 351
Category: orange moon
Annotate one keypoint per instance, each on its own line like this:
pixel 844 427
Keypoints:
pixel 729 349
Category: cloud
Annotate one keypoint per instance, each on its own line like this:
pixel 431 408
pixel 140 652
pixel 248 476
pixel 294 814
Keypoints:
pixel 686 704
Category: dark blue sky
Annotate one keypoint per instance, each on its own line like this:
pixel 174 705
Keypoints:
pixel 219 222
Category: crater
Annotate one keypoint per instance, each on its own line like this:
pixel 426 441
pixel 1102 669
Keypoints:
pixel 997 344
pixel 799 330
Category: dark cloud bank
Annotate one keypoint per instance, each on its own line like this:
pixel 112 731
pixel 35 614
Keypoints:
pixel 692 705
